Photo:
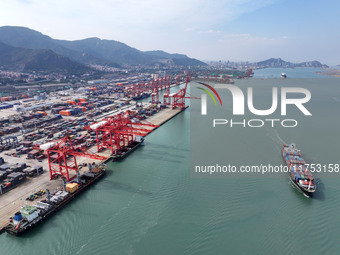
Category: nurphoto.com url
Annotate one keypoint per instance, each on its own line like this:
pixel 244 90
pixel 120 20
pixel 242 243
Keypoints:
pixel 264 168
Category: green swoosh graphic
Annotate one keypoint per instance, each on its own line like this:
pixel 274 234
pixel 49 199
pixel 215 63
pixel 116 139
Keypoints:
pixel 207 91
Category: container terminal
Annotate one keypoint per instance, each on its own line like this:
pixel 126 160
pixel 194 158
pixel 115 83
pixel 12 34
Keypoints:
pixel 55 138
pixel 49 141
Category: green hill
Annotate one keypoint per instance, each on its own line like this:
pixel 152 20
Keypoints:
pixel 20 59
pixel 91 50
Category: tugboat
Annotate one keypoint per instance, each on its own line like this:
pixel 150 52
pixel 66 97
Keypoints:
pixel 283 76
pixel 299 174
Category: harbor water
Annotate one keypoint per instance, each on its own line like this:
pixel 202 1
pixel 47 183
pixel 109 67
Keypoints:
pixel 150 204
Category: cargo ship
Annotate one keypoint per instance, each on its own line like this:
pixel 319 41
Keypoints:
pixel 124 152
pixel 299 174
pixel 30 216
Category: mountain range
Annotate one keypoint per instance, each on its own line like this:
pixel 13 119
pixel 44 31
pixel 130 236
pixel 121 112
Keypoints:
pixel 28 60
pixel 90 51
pixel 278 62
pixel 24 49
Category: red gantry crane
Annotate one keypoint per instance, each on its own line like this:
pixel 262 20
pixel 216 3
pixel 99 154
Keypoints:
pixel 118 131
pixel 160 84
pixel 61 155
pixel 155 93
pixel 166 98
pixel 178 99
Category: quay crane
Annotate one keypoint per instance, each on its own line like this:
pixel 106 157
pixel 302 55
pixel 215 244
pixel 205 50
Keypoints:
pixel 155 93
pixel 113 132
pixel 178 98
pixel 160 84
pixel 61 155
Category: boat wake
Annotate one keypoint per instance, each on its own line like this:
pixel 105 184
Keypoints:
pixel 278 137
pixel 336 99
pixel 274 136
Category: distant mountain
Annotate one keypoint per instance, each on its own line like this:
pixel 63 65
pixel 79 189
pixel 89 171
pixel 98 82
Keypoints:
pixel 26 60
pixel 27 38
pixel 163 54
pixel 278 62
pixel 91 50
pixel 109 50
pixel 175 59
pixel 311 64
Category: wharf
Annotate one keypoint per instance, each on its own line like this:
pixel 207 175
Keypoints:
pixel 164 116
pixel 11 201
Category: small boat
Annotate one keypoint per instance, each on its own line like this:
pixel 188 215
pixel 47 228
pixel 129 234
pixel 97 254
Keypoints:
pixel 299 174
pixel 283 75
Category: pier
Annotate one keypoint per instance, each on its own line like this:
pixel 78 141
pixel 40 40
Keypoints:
pixel 11 201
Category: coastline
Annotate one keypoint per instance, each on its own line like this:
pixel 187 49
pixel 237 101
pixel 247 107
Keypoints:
pixel 330 72
pixel 12 201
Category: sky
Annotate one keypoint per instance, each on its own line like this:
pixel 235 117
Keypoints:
pixel 235 30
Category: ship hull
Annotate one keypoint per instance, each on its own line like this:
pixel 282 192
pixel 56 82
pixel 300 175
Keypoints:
pixel 307 192
pixel 304 191
pixel 125 154
pixel 11 229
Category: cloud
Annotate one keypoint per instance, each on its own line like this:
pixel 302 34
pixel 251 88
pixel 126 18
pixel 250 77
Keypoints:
pixel 210 31
pixel 230 36
pixel 115 17
pixel 219 45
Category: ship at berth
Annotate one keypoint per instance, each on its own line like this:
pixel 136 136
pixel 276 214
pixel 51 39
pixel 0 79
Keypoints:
pixel 30 216
pixel 299 174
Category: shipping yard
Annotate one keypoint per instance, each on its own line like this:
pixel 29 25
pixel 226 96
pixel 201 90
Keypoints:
pixel 143 127
pixel 55 138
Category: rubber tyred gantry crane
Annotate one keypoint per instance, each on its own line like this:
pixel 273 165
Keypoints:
pixel 61 155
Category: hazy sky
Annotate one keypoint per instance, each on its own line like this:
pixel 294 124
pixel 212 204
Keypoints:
pixel 295 30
